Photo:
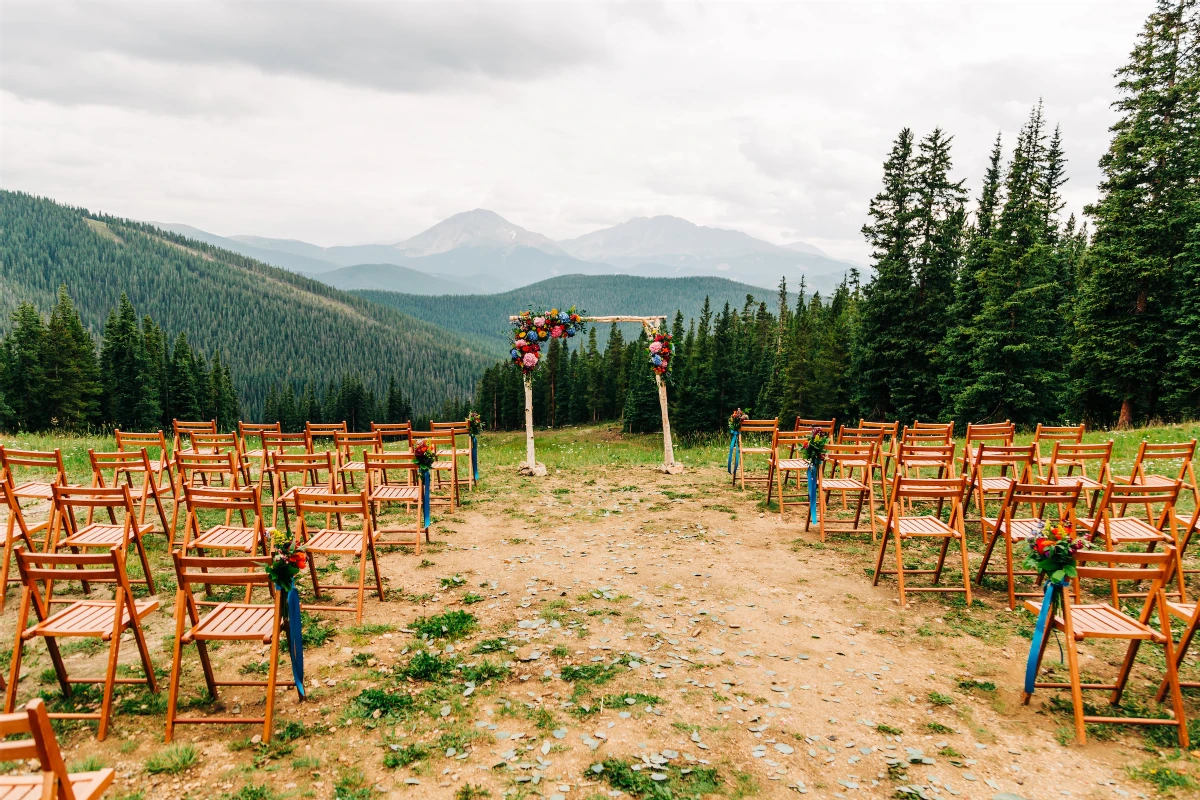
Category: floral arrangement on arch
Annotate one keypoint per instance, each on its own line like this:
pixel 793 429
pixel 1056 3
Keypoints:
pixel 531 328
pixel 659 351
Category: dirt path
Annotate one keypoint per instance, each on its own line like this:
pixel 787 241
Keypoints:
pixel 700 635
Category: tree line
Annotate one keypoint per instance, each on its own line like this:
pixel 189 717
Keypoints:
pixel 999 309
pixel 53 376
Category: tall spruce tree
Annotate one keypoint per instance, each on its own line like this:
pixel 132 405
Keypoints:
pixel 24 372
pixel 125 372
pixel 181 382
pixel 72 375
pixel 1128 303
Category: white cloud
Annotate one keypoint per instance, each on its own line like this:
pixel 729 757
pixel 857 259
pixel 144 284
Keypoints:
pixel 350 122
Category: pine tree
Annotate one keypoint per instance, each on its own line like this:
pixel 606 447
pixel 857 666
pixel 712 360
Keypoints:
pixel 1127 301
pixel 125 372
pixel 155 345
pixel 181 382
pixel 886 350
pixel 71 372
pixel 25 375
pixel 641 410
pixel 398 408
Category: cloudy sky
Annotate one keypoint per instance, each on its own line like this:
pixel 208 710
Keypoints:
pixel 351 122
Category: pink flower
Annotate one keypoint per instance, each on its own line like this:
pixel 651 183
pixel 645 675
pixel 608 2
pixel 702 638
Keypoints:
pixel 655 347
pixel 530 360
pixel 539 322
pixel 557 331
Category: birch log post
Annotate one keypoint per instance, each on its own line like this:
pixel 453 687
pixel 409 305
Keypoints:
pixel 531 466
pixel 668 466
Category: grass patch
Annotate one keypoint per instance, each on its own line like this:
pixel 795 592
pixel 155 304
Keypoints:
pixel 172 759
pixel 1163 778
pixel 679 782
pixel 589 673
pixel 890 731
pixel 971 684
pixel 315 632
pixel 935 727
pixel 470 599
pixel 938 699
pixel 352 785
pixel 485 670
pixel 88 764
pixel 371 629
pixel 371 700
pixel 402 755
pixel 490 646
pixel 453 582
pixel 471 792
pixel 426 666
pixel 624 698
pixel 448 625
pixel 252 791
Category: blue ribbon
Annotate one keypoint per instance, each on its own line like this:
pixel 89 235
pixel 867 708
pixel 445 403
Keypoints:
pixel 812 492
pixel 733 443
pixel 1039 633
pixel 294 632
pixel 425 498
pixel 475 457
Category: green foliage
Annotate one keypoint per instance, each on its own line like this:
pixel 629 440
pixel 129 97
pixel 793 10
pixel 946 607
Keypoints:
pixel 485 670
pixel 1164 778
pixel 426 666
pixel 314 631
pixel 589 673
pixel 619 774
pixel 172 759
pixel 369 701
pixel 471 792
pixel 402 755
pixel 447 625
pixel 939 699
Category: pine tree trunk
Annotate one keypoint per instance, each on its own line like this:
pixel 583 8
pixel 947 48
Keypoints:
pixel 1125 420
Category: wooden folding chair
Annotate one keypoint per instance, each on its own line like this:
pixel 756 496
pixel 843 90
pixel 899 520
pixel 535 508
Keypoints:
pixel 126 464
pixel 466 477
pixel 1166 457
pixel 323 431
pixel 18 531
pixel 395 478
pixel 351 449
pixel 49 467
pixel 226 537
pixel 750 427
pixel 339 541
pixel 251 442
pixel 183 433
pixel 1190 614
pixel 1070 455
pixel 781 468
pixel 842 460
pixel 204 469
pixel 162 466
pixel 1187 529
pixel 1000 434
pixel 902 525
pixel 1015 464
pixel 308 467
pixel 1013 527
pixel 827 425
pixel 1044 439
pixel 91 618
pixel 1113 529
pixel 443 442
pixel 281 443
pixel 1100 621
pixel 848 435
pixel 400 432
pixel 220 443
pixel 54 781
pixel 887 453
pixel 917 454
pixel 91 535
pixel 224 622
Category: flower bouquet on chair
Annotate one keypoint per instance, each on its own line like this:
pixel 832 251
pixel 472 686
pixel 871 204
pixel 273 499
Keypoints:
pixel 474 428
pixel 735 432
pixel 1051 552
pixel 814 454
pixel 287 560
pixel 425 455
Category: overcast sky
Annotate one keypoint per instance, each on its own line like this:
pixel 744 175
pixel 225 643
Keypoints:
pixel 344 123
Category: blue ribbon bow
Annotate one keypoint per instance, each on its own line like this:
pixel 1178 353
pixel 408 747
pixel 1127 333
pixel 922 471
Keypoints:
pixel 424 498
pixel 733 445
pixel 475 458
pixel 1039 632
pixel 293 631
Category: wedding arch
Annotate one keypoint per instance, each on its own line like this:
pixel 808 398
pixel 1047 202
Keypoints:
pixel 531 328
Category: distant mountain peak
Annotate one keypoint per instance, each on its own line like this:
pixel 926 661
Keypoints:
pixel 479 227
pixel 661 236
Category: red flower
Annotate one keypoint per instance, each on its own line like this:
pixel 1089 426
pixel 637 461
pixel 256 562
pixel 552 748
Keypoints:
pixel 1042 545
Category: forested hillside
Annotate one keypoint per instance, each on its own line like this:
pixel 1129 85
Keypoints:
pixel 268 325
pixel 486 315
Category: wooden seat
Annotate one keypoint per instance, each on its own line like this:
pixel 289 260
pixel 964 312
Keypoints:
pixel 204 469
pixel 19 533
pixel 350 448
pixel 182 431
pixel 466 476
pixel 1113 530
pixel 224 622
pixel 119 534
pixel 220 443
pixel 339 541
pixel 1079 622
pixel 315 471
pixel 1044 439
pixel 842 459
pixel 1190 614
pixel 226 537
pixel 781 468
pixel 756 428
pixel 126 464
pixel 1015 465
pixel 395 478
pixel 106 620
pixel 901 525
pixel 42 746
pixel 1084 457
pixel 1013 525
pixel 998 434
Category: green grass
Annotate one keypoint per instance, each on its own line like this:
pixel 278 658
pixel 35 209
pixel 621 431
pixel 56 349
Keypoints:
pixel 939 699
pixel 492 646
pixel 619 774
pixel 425 666
pixel 369 701
pixel 470 598
pixel 352 785
pixel 252 791
pixel 485 670
pixel 589 673
pixel 314 631
pixel 401 756
pixel 889 730
pixel 932 727
pixel 86 764
pixel 451 625
pixel 471 792
pixel 1164 778
pixel 172 759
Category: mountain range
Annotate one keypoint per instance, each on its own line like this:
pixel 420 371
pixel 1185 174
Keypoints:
pixel 481 252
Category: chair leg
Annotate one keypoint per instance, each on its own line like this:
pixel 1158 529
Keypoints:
pixel 883 540
pixel 272 679
pixel 966 565
pixel 900 570
pixel 110 677
pixel 1076 688
pixel 362 580
pixel 176 667
pixel 8 555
